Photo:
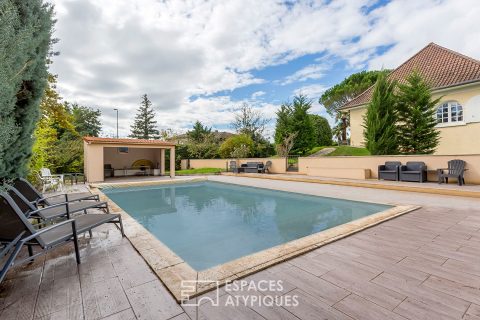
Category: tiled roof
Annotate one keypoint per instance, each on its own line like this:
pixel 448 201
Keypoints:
pixel 439 66
pixel 127 141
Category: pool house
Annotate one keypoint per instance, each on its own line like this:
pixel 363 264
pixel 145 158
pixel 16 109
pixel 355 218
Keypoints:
pixel 106 158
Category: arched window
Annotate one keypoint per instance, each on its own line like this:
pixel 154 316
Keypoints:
pixel 450 111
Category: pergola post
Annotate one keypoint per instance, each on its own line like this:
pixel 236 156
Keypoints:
pixel 162 161
pixel 172 162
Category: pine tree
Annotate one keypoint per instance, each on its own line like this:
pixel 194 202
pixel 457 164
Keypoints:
pixel 145 127
pixel 416 117
pixel 25 37
pixel 199 132
pixel 380 120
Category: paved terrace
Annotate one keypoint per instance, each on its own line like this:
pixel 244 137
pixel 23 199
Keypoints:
pixel 422 265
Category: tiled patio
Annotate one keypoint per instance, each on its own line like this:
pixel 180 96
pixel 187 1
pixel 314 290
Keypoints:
pixel 423 265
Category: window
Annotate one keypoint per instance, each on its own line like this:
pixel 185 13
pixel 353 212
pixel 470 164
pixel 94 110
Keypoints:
pixel 450 111
pixel 122 149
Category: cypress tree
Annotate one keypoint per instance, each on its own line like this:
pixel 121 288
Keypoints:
pixel 380 120
pixel 416 117
pixel 145 127
pixel 294 118
pixel 26 27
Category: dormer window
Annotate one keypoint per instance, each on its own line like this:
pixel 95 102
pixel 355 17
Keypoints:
pixel 450 112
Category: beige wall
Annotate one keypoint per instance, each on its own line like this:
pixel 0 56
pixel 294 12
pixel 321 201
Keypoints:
pixel 93 162
pixel 459 139
pixel 278 164
pixel 96 155
pixel 356 126
pixel 372 163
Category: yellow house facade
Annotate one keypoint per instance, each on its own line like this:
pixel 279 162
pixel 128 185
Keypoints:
pixel 455 79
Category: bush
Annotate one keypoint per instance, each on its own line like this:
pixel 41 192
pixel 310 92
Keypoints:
pixel 323 132
pixel 235 142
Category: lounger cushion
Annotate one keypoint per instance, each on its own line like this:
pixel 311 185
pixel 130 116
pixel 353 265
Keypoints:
pixel 84 223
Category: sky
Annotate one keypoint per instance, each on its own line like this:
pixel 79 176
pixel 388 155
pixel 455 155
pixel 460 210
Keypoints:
pixel 201 60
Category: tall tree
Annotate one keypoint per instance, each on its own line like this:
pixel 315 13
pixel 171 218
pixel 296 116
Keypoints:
pixel 294 118
pixel 323 132
pixel 283 149
pixel 144 126
pixel 250 122
pixel 86 120
pixel 26 27
pixel 341 93
pixel 416 116
pixel 199 132
pixel 58 145
pixel 381 118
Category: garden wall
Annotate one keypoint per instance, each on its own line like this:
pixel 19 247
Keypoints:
pixel 329 165
pixel 278 164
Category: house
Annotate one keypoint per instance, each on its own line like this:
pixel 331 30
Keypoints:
pixel 453 77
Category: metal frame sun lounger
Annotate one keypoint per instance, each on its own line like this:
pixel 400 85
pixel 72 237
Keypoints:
pixel 34 196
pixel 48 237
pixel 53 211
pixel 9 254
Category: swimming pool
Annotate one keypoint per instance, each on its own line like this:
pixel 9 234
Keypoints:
pixel 210 223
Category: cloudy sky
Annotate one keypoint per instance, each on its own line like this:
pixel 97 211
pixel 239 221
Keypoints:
pixel 201 59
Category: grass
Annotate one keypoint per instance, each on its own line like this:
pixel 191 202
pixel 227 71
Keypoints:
pixel 341 151
pixel 315 150
pixel 348 151
pixel 199 171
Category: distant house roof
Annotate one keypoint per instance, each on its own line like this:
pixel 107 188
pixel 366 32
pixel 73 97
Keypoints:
pixel 98 140
pixel 439 66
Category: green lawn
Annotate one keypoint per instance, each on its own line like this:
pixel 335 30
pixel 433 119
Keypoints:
pixel 342 151
pixel 199 171
pixel 315 150
pixel 349 151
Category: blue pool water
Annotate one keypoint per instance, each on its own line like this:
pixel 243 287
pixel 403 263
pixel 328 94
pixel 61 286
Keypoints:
pixel 210 223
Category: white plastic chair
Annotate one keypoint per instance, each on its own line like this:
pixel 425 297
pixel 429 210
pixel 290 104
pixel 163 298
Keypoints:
pixel 51 180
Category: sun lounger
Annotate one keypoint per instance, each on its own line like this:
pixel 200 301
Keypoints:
pixel 9 254
pixel 54 211
pixel 14 221
pixel 34 196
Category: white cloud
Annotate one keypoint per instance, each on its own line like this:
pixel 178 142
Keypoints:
pixel 310 72
pixel 113 51
pixel 257 94
pixel 313 91
pixel 410 25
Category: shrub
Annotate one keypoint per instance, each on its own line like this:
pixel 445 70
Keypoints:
pixel 234 142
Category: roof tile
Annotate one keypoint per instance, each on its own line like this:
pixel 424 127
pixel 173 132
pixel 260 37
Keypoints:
pixel 127 141
pixel 439 66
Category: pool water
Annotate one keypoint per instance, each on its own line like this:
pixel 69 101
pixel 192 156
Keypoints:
pixel 210 223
